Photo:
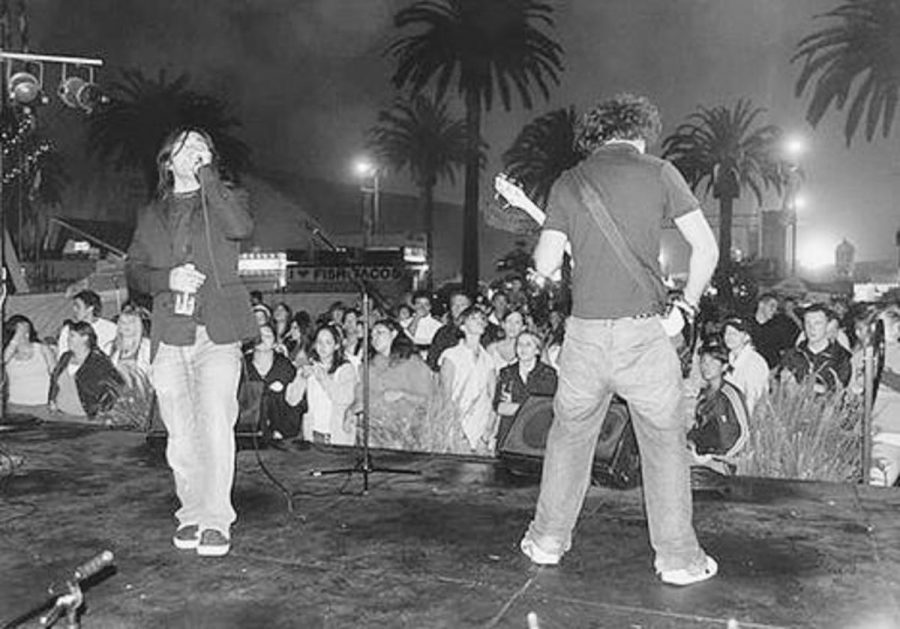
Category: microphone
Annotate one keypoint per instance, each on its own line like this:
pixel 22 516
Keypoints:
pixel 85 571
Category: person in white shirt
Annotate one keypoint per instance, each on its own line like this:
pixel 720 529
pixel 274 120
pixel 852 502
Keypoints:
pixel 86 306
pixel 423 326
pixel 749 370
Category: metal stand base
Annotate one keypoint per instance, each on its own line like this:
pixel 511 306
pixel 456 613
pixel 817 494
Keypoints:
pixel 365 467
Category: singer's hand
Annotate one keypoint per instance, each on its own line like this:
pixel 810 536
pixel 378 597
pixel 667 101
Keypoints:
pixel 185 279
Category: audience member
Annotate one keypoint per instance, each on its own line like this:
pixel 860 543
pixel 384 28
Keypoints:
pixel 720 428
pixel 449 334
pixel 299 339
pixel 280 407
pixel 749 371
pixel 773 333
pixel 405 317
pixel 503 351
pixel 400 388
pixel 520 380
pixel 353 336
pixel 330 384
pixel 423 326
pixel 281 322
pixel 262 314
pixel 84 382
pixel 468 381
pixel 130 354
pixel 86 306
pixel 817 357
pixel 27 363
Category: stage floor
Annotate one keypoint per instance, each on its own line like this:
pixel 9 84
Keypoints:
pixel 434 550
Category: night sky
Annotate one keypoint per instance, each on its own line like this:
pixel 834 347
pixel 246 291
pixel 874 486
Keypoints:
pixel 307 77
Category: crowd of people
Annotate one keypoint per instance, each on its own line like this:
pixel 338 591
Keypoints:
pixel 448 382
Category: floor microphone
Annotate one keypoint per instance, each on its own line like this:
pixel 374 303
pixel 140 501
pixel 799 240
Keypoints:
pixel 85 571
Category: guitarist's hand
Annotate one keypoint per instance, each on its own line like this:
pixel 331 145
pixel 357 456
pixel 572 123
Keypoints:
pixel 541 281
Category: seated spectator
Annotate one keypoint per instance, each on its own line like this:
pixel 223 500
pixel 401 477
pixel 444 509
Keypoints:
pixel 27 363
pixel 84 382
pixel 87 307
pixel 330 384
pixel 299 339
pixel 720 428
pixel 449 334
pixel 773 333
pixel 281 322
pixel 818 357
pixel 423 326
pixel 281 406
pixel 400 388
pixel 504 351
pixel 130 354
pixel 520 380
pixel 749 371
pixel 468 380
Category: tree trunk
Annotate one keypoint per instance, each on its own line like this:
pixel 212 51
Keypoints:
pixel 427 198
pixel 726 214
pixel 470 249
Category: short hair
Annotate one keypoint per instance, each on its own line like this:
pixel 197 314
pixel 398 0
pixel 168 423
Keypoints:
pixel 85 329
pixel 820 307
pixel 421 294
pixel 623 117
pixel 766 297
pixel 402 346
pixel 90 299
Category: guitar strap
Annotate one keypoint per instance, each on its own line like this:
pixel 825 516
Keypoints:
pixel 592 200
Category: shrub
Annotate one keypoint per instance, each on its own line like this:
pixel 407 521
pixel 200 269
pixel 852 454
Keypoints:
pixel 797 433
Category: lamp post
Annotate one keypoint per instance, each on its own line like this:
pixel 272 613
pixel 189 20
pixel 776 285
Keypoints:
pixel 370 175
pixel 793 148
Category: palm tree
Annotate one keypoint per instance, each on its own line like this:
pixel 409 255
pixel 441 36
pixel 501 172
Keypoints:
pixel 860 53
pixel 720 146
pixel 481 47
pixel 128 131
pixel 542 150
pixel 418 134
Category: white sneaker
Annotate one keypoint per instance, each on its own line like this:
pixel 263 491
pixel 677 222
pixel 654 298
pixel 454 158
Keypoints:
pixel 683 576
pixel 538 556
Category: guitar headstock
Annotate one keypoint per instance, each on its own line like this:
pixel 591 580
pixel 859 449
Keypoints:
pixel 511 190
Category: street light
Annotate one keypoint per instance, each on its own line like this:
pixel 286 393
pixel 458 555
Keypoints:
pixel 793 148
pixel 370 175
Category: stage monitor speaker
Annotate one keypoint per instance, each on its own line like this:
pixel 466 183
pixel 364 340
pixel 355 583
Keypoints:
pixel 246 429
pixel 616 459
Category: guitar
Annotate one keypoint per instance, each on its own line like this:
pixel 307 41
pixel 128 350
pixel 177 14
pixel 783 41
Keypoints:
pixel 678 317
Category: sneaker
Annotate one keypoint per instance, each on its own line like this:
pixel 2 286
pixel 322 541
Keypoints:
pixel 683 576
pixel 187 537
pixel 538 556
pixel 213 543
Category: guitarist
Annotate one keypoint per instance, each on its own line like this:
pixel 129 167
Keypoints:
pixel 614 342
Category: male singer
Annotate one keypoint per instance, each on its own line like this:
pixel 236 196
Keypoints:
pixel 185 254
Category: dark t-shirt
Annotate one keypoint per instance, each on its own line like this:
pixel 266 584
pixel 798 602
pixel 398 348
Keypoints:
pixel 640 192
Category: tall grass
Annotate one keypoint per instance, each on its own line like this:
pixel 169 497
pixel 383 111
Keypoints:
pixel 797 433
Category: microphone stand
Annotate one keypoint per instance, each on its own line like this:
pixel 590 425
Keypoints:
pixel 363 463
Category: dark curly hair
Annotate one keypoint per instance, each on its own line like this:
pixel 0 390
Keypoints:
pixel 623 117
